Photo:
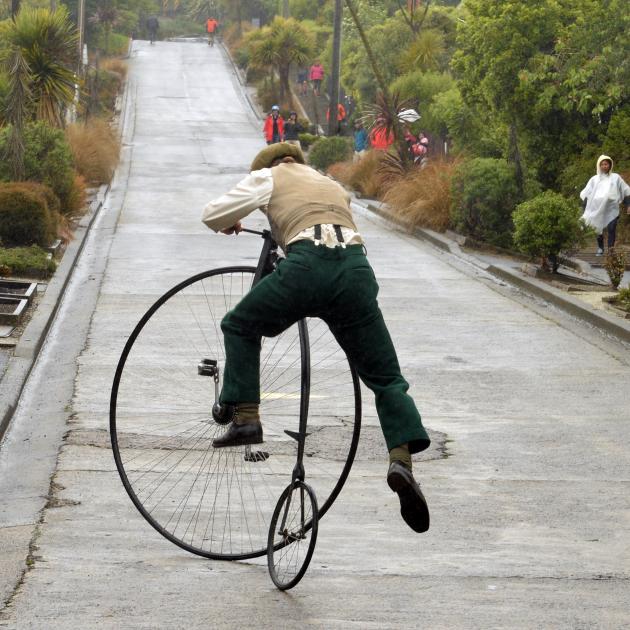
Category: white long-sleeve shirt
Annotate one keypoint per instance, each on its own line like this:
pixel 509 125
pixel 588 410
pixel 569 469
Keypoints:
pixel 254 191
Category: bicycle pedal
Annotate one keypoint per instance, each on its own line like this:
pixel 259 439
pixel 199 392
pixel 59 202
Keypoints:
pixel 256 456
pixel 296 435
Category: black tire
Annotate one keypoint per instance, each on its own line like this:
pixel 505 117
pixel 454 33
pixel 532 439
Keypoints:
pixel 292 535
pixel 217 503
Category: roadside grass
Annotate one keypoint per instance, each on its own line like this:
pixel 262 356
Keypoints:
pixel 422 197
pixel 113 64
pixel 31 260
pixel 95 148
pixel 362 176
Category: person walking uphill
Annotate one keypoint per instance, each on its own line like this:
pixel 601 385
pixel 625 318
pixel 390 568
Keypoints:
pixel 601 197
pixel 325 274
pixel 274 126
pixel 316 75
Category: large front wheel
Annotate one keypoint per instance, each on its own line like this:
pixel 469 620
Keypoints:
pixel 163 416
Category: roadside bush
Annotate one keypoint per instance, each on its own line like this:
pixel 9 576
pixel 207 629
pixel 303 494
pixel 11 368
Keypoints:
pixel 47 159
pixel 106 85
pixel 24 216
pixel 114 43
pixel 328 151
pixel 95 148
pixel 547 225
pixel 307 140
pixel 624 298
pixel 615 266
pixel 21 260
pixel 423 196
pixel 52 201
pixel 484 195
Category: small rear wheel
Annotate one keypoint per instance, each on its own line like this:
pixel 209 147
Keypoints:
pixel 292 535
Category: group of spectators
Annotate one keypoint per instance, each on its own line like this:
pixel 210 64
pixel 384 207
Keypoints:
pixel 276 129
pixel 381 139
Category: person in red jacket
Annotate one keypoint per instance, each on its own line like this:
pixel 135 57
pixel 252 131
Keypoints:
pixel 380 139
pixel 211 28
pixel 274 126
pixel 316 75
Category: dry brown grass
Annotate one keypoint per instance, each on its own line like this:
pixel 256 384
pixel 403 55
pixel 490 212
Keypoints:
pixel 422 197
pixel 95 148
pixel 362 176
pixel 112 64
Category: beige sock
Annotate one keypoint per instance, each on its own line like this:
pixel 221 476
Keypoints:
pixel 247 413
pixel 401 454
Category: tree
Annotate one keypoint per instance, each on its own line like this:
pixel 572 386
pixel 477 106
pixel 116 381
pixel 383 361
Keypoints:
pixel 497 42
pixel 17 106
pixel 105 17
pixel 278 46
pixel 43 46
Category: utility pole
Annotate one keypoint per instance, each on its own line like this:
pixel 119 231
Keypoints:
pixel 81 29
pixel 285 8
pixel 333 123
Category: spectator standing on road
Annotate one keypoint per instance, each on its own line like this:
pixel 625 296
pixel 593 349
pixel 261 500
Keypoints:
pixel 360 141
pixel 601 198
pixel 274 126
pixel 316 75
pixel 292 129
pixel 153 26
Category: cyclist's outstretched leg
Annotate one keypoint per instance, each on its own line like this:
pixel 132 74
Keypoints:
pixel 368 345
pixel 267 310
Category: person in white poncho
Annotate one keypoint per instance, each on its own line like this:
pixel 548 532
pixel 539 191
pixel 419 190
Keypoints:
pixel 601 196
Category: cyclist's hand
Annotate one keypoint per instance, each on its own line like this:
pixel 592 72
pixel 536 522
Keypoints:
pixel 235 229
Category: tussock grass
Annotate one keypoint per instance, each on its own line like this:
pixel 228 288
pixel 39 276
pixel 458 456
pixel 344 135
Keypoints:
pixel 422 197
pixel 112 64
pixel 362 176
pixel 95 147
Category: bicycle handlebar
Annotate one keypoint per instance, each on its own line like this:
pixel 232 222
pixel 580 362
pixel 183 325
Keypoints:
pixel 252 231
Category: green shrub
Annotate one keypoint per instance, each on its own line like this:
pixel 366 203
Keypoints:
pixel 624 298
pixel 24 216
pixel 547 225
pixel 307 140
pixel 615 266
pixel 484 194
pixel 327 151
pixel 52 201
pixel 20 260
pixel 47 159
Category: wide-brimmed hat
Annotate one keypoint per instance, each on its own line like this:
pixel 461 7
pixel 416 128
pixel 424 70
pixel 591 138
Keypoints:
pixel 277 151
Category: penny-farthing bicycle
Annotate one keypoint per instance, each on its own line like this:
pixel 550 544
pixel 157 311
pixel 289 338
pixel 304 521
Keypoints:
pixel 242 502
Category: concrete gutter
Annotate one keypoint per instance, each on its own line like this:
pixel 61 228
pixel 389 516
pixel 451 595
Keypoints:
pixel 27 349
pixel 577 308
pixel 245 90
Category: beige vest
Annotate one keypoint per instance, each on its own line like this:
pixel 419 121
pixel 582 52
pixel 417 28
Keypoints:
pixel 302 198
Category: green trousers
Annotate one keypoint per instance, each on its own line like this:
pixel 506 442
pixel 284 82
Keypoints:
pixel 338 286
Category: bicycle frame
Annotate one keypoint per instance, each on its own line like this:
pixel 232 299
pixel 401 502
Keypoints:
pixel 267 262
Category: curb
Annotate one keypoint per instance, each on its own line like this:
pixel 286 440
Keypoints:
pixel 27 349
pixel 612 325
pixel 243 83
